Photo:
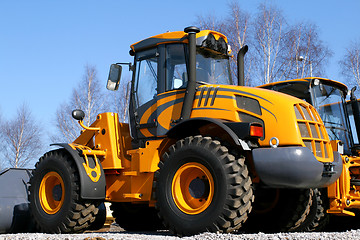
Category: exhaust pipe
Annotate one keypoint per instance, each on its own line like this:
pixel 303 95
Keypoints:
pixel 191 86
pixel 241 68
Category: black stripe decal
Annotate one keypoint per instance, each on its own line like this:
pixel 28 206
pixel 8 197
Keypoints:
pixel 218 96
pixel 242 92
pixel 214 96
pixel 149 124
pixel 221 109
pixel 207 96
pixel 163 107
pixel 269 112
pixel 168 94
pixel 201 95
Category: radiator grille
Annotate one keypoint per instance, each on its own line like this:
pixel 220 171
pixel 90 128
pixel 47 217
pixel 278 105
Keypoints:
pixel 312 130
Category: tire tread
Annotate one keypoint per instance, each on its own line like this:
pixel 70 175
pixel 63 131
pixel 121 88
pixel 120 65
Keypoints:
pixel 80 214
pixel 239 192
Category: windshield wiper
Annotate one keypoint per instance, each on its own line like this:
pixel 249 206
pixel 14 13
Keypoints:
pixel 328 95
pixel 151 68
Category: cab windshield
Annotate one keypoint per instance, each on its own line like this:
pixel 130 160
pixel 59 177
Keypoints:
pixel 329 103
pixel 212 68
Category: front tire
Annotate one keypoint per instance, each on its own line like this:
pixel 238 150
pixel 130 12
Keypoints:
pixel 201 187
pixel 55 202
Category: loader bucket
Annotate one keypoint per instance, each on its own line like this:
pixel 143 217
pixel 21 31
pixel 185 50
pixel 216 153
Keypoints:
pixel 14 205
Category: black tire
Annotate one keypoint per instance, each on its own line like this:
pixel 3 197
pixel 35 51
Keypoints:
pixel 136 217
pixel 201 187
pixel 317 219
pixel 279 210
pixel 55 203
pixel 303 201
pixel 100 218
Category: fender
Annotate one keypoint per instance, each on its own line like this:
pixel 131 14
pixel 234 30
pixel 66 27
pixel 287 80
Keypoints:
pixel 237 131
pixel 88 188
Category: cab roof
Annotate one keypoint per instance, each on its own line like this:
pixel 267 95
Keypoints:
pixel 174 37
pixel 339 85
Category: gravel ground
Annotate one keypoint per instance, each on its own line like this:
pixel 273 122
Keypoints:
pixel 354 234
pixel 114 234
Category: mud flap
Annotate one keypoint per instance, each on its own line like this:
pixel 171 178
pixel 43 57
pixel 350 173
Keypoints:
pixel 89 189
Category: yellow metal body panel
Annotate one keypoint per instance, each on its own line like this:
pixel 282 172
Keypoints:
pixel 344 194
pixel 279 121
pixel 113 138
pixel 171 113
pixel 146 159
pixel 168 109
pixel 277 112
pixel 135 183
pixel 129 173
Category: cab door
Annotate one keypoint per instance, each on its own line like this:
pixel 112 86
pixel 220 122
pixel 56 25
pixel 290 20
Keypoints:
pixel 173 86
pixel 144 98
pixel 159 86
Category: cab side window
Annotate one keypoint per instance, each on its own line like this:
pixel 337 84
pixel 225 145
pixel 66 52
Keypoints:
pixel 146 77
pixel 176 72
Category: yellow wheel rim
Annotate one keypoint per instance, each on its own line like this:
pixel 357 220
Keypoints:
pixel 51 193
pixel 192 188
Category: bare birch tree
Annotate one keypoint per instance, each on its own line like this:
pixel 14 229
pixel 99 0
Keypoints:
pixel 237 31
pixel 88 96
pixel 211 22
pixel 2 140
pixel 350 64
pixel 305 54
pixel 269 30
pixel 22 138
pixel 275 48
pixel 120 100
pixel 235 26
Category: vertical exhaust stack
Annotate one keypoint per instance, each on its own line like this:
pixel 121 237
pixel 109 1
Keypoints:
pixel 241 68
pixel 191 86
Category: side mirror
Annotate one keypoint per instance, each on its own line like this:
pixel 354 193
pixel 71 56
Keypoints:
pixel 114 77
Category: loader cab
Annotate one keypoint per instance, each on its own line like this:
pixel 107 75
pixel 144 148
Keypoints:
pixel 161 76
pixel 328 97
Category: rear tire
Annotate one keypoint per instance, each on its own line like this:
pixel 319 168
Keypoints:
pixel 317 219
pixel 55 202
pixel 201 187
pixel 279 210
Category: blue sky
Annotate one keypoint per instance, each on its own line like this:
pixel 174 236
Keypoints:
pixel 44 45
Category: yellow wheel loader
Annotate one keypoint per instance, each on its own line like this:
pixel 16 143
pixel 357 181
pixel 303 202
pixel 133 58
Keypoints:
pixel 342 122
pixel 197 150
